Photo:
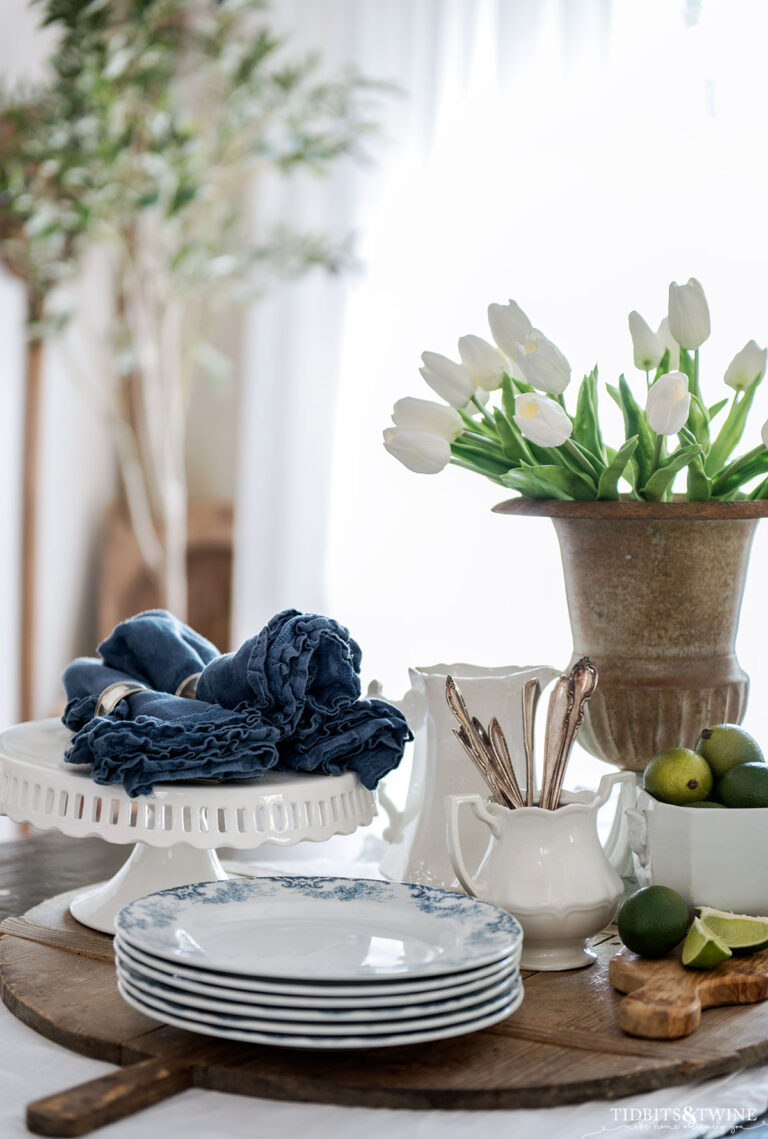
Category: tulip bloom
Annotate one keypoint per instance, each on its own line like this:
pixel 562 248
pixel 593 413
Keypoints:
pixel 689 320
pixel 509 326
pixel 484 363
pixel 450 380
pixel 646 344
pixel 426 415
pixel 542 363
pixel 764 433
pixel 668 341
pixel 420 451
pixel 669 403
pixel 542 420
pixel 746 366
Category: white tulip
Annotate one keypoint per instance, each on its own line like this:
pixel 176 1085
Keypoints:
pixel 669 402
pixel 746 366
pixel 764 433
pixel 689 320
pixel 420 451
pixel 484 363
pixel 668 341
pixel 426 415
pixel 509 326
pixel 542 363
pixel 450 380
pixel 646 345
pixel 542 420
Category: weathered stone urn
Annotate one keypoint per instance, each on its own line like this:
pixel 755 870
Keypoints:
pixel 654 592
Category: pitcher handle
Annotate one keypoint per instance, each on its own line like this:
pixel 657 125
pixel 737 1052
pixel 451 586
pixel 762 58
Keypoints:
pixel 413 708
pixel 617 847
pixel 453 804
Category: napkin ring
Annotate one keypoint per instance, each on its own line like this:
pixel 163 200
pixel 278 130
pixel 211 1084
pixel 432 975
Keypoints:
pixel 114 693
pixel 188 686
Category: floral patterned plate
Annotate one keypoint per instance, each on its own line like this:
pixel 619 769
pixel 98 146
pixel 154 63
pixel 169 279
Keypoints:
pixel 320 929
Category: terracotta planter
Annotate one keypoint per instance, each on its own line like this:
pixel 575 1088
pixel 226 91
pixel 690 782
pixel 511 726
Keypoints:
pixel 654 593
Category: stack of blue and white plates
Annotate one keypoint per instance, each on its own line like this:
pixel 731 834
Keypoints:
pixel 319 962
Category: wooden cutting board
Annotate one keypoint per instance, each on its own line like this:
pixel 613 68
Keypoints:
pixel 665 999
pixel 563 1045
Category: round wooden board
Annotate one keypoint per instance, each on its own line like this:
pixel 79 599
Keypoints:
pixel 562 1046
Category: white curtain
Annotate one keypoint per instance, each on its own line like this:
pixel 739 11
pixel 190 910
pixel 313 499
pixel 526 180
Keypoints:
pixel 576 155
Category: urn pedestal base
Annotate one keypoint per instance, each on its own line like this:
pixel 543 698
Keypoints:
pixel 654 592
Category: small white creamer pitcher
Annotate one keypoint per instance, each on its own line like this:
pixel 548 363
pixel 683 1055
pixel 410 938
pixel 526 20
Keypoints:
pixel 548 869
pixel 417 850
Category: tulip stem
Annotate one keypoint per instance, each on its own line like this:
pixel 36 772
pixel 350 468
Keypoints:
pixel 647 378
pixel 578 454
pixel 696 389
pixel 484 410
pixel 476 470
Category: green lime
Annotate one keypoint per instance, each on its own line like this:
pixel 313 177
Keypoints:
pixel 727 745
pixel 744 786
pixel 653 921
pixel 702 948
pixel 705 803
pixel 739 932
pixel 678 775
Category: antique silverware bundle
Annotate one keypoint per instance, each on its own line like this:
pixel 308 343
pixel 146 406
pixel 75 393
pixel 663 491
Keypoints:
pixel 488 749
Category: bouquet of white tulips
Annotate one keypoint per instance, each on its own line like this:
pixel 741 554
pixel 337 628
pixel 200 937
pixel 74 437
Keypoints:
pixel 534 444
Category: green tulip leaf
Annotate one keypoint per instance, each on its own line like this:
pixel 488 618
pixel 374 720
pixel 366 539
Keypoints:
pixel 716 408
pixel 699 485
pixel 513 444
pixel 740 471
pixel 698 422
pixel 636 423
pixel 608 484
pixel 586 427
pixel 760 491
pixel 550 482
pixel 661 480
pixel 508 398
pixel 492 462
pixel 732 430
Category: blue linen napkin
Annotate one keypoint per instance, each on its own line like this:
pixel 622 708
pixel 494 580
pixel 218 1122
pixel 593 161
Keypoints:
pixel 153 737
pixel 301 665
pixel 157 649
pixel 288 698
pixel 367 737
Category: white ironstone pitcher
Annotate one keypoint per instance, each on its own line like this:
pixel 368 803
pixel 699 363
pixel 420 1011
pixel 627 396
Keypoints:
pixel 547 868
pixel 418 850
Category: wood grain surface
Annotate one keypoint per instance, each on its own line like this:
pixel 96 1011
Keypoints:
pixel 564 1045
pixel 665 999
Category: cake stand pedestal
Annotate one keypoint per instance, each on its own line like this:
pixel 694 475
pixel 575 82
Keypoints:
pixel 174 832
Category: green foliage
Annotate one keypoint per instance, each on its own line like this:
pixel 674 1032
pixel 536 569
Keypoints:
pixel 157 116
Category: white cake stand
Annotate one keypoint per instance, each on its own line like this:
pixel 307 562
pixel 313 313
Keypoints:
pixel 176 830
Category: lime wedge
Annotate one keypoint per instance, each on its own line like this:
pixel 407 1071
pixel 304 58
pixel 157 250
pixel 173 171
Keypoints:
pixel 739 932
pixel 702 949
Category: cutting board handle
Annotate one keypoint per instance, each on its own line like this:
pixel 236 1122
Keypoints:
pixel 660 1015
pixel 109 1098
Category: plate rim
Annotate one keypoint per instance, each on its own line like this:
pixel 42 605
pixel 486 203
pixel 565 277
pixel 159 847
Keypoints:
pixel 351 1016
pixel 334 1043
pixel 322 990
